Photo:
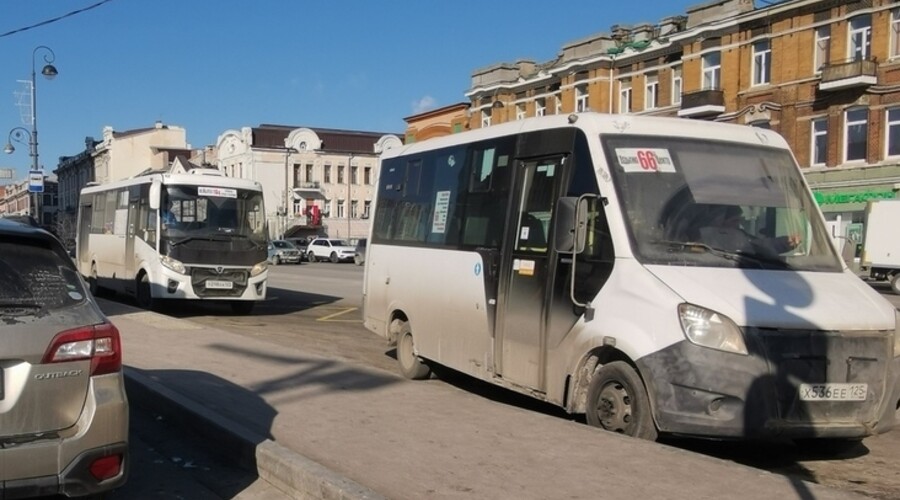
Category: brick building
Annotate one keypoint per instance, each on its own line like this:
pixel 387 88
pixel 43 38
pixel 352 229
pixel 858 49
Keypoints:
pixel 823 73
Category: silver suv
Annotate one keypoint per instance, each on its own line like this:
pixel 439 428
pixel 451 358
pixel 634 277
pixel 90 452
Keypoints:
pixel 63 409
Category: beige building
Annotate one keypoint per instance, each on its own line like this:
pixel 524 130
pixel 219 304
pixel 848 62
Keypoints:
pixel 825 74
pixel 315 181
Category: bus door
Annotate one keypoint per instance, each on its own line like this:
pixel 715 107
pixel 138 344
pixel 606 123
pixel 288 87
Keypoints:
pixel 134 210
pixel 84 233
pixel 526 274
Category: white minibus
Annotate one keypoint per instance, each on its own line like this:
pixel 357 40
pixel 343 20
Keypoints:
pixel 658 275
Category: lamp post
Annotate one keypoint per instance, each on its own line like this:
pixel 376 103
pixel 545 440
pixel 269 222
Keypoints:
pixel 349 161
pixel 287 187
pixel 49 71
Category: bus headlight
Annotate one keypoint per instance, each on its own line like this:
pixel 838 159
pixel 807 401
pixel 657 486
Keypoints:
pixel 708 328
pixel 173 264
pixel 259 268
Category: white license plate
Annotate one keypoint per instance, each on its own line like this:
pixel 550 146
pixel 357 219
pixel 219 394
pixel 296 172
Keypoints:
pixel 833 392
pixel 219 285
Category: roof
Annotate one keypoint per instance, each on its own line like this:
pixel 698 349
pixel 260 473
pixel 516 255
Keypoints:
pixel 345 141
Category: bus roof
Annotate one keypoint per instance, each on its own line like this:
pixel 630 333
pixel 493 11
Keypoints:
pixel 602 123
pixel 188 179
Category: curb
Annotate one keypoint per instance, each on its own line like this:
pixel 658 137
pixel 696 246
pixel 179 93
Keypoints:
pixel 292 473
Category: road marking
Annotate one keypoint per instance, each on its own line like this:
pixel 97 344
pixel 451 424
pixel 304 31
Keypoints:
pixel 340 313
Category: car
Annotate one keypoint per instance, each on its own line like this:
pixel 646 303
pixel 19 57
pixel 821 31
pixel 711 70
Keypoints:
pixel 283 252
pixel 301 244
pixel 360 257
pixel 331 249
pixel 64 418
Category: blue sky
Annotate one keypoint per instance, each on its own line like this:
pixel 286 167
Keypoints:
pixel 210 66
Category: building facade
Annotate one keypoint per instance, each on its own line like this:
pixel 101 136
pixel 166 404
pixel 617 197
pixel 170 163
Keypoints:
pixel 825 74
pixel 16 199
pixel 315 181
pixel 117 156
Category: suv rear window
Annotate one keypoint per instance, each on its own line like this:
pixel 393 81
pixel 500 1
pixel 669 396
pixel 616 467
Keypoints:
pixel 33 276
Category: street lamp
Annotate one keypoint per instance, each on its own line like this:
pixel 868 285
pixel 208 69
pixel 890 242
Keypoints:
pixel 288 198
pixel 349 203
pixel 49 71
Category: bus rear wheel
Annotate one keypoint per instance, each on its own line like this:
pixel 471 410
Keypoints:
pixel 411 365
pixel 618 402
pixel 895 283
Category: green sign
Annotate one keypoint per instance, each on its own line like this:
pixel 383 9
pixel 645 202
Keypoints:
pixel 860 197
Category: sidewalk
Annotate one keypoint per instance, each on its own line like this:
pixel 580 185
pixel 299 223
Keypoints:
pixel 322 428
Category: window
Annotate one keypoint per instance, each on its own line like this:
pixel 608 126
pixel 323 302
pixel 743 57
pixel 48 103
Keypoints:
pixel 354 209
pixel 520 111
pixel 651 92
pixel 340 179
pixel 340 208
pixel 309 172
pixel 367 209
pixel 823 47
pixel 625 96
pixel 327 178
pixel 540 107
pixel 354 174
pixel 676 85
pixel 712 69
pixel 367 176
pixel 485 118
pixel 893 132
pixel 856 131
pixel 895 33
pixel 581 99
pixel 762 62
pixel 818 155
pixel 860 37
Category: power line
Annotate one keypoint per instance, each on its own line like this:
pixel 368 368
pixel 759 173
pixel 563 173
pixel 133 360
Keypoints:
pixel 55 19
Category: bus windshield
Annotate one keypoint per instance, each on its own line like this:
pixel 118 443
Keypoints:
pixel 717 204
pixel 193 213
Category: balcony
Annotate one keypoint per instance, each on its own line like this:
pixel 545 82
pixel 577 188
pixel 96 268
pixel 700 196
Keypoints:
pixel 849 74
pixel 308 190
pixel 709 102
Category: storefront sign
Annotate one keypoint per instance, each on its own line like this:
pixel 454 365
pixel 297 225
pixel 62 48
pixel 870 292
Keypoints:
pixel 860 197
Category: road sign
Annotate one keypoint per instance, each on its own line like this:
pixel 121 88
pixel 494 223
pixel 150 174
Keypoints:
pixel 36 181
pixel 7 173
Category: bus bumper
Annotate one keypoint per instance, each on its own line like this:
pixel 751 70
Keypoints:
pixel 209 283
pixel 704 392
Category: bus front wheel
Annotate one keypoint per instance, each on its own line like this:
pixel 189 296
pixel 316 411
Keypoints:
pixel 411 365
pixel 618 402
pixel 144 296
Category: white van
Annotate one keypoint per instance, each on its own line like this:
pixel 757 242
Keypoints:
pixel 659 275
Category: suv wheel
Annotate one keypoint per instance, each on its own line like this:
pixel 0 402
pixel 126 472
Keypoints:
pixel 334 257
pixel 311 256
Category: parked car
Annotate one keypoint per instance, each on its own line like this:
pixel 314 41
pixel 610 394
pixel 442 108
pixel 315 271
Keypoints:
pixel 360 257
pixel 64 419
pixel 301 244
pixel 330 249
pixel 281 251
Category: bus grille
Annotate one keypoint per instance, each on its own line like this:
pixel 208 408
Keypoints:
pixel 201 275
pixel 819 357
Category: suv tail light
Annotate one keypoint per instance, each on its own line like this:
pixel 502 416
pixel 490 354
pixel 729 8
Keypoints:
pixel 99 343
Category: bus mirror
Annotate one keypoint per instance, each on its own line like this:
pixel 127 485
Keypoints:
pixel 564 235
pixel 155 191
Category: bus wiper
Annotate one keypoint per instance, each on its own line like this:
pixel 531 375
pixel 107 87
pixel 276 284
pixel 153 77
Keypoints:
pixel 736 256
pixel 208 237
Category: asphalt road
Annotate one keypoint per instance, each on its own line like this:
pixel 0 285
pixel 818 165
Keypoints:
pixel 317 307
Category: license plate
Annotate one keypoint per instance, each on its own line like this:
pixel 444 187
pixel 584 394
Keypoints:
pixel 219 285
pixel 833 392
